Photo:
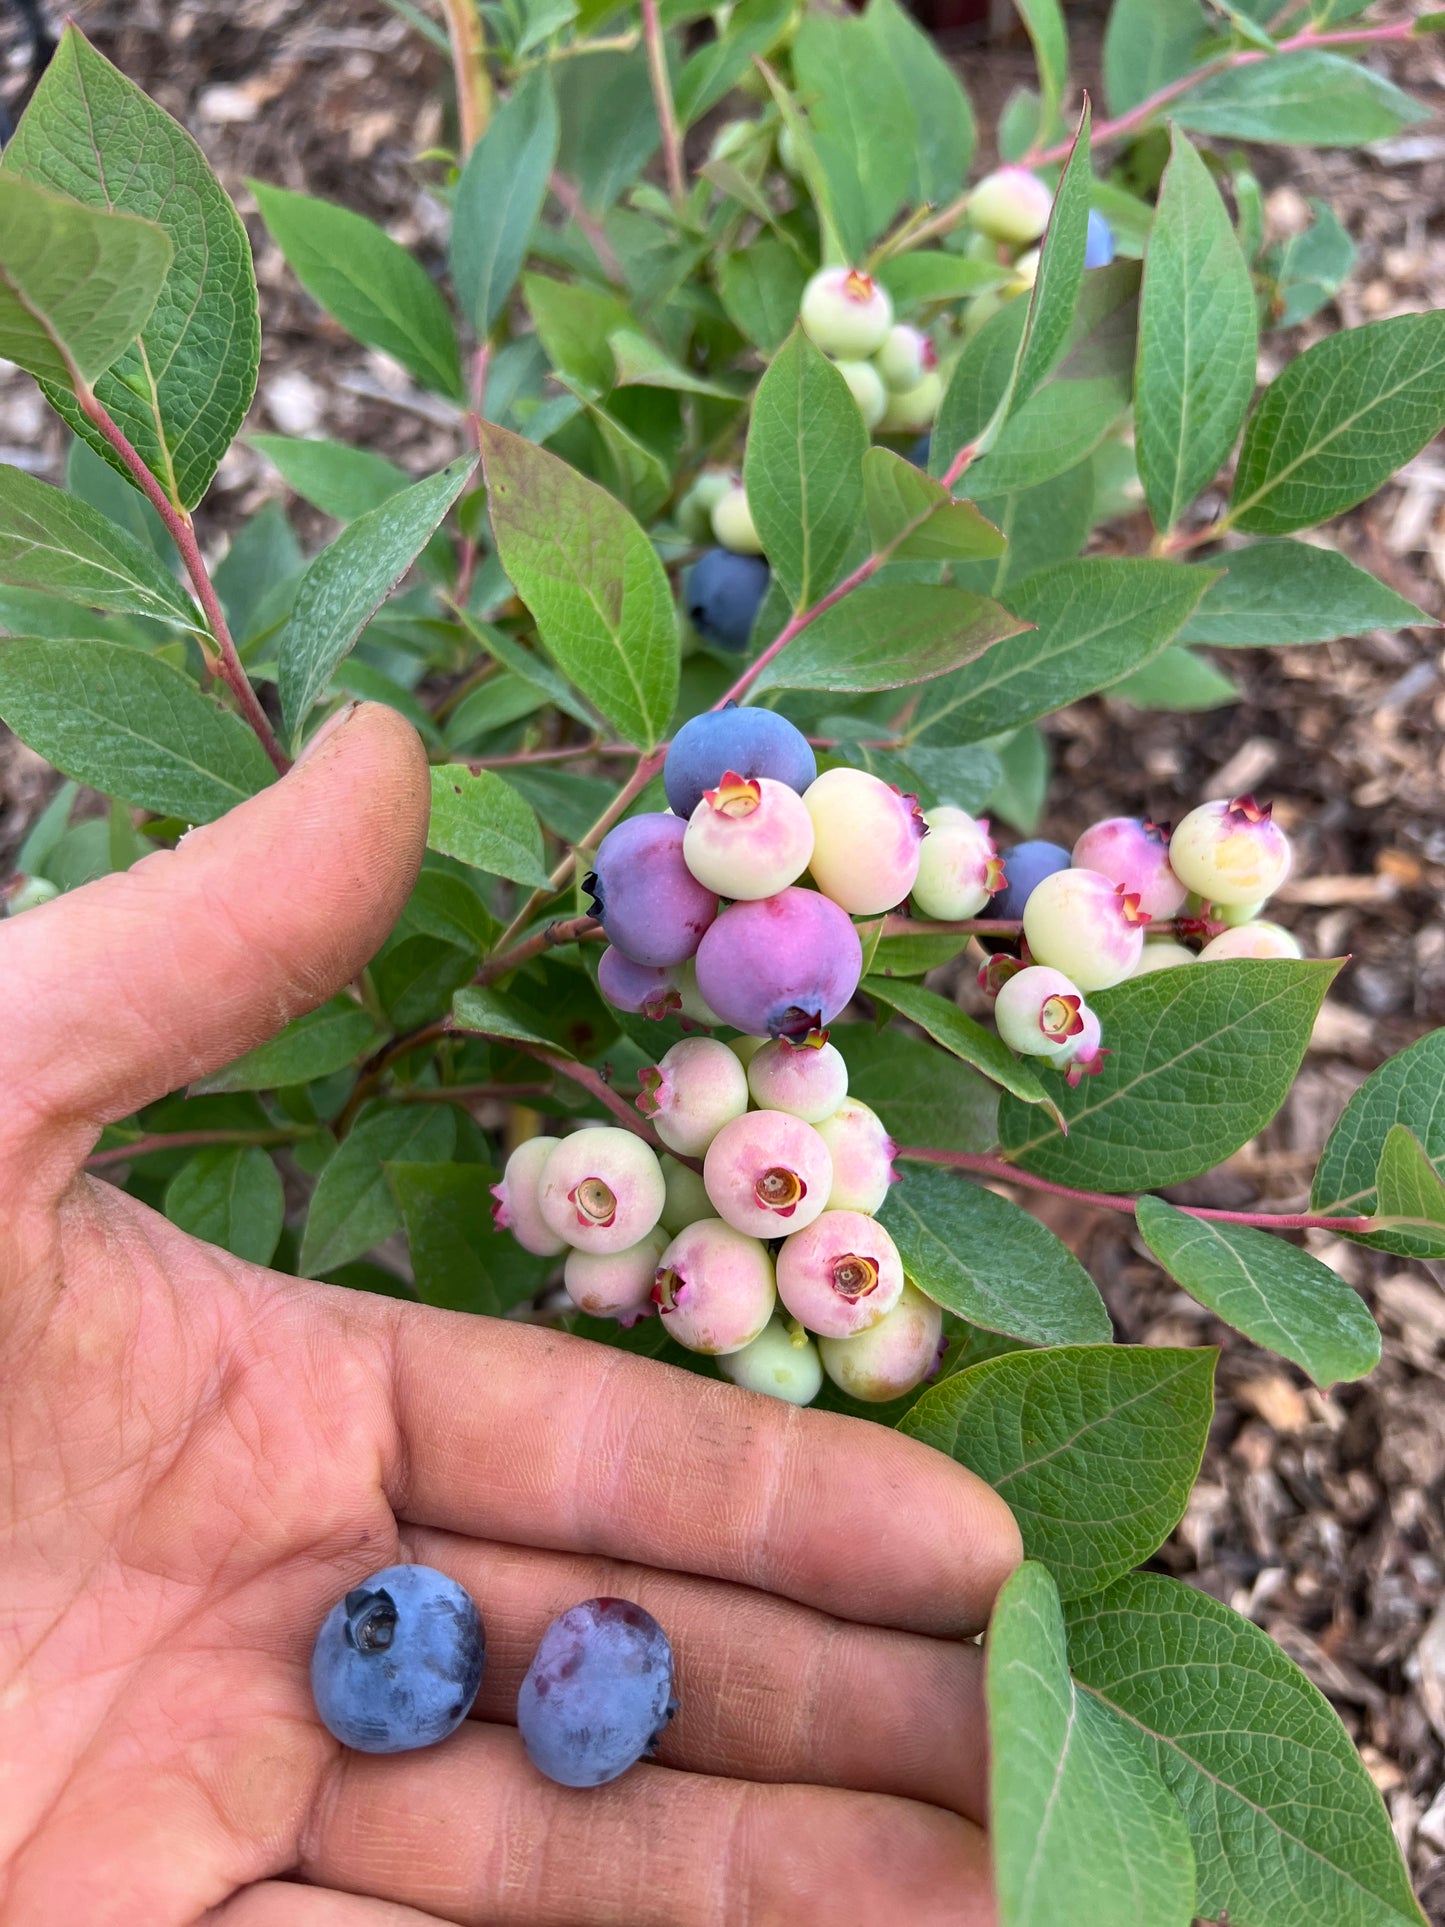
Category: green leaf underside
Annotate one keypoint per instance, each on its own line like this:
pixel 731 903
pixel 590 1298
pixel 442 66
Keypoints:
pixel 591 579
pixel 1093 622
pixel 182 392
pixel 1408 1090
pixel 316 1045
pixel 993 1264
pixel 53 542
pixel 947 1025
pixel 480 819
pixel 1075 1806
pixel 1291 592
pixel 490 1014
pixel 802 468
pixel 499 197
pixel 347 582
pixel 1095 1447
pixel 1310 97
pixel 230 1195
pixel 353 1207
pixel 1410 1189
pixel 1198 339
pixel 1201 1059
pixel 1286 1826
pixel 131 725
pixel 1273 1292
pixel 884 636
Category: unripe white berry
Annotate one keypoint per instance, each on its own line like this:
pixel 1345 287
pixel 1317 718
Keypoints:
pixel 865 385
pixel 846 312
pixel 781 1362
pixel 1251 940
pixel 732 522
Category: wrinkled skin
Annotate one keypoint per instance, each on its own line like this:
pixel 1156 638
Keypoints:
pixel 201 1455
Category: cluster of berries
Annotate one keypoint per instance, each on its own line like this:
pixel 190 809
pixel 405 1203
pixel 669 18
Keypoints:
pixel 398 1662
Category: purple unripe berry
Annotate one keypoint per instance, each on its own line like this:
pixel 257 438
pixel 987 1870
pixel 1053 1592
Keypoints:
pixel 1162 954
pixel 768 1173
pixel 688 1096
pixel 1084 924
pixel 714 1288
pixel 723 594
pixel 958 866
pixel 781 1362
pixel 517 1208
pixel 652 907
pixel 1025 867
pixel 1231 852
pixel 862 1154
pixel 750 742
pixel 1258 939
pixel 686 1197
pixel 598 1694
pixel 1010 205
pixel 782 966
pixel 868 840
pixel 1039 1012
pixel 891 1357
pixel 601 1189
pixel 846 312
pixel 615 1284
pixel 1133 852
pixel 646 990
pixel 1099 247
pixel 807 1080
pixel 841 1274
pixel 749 837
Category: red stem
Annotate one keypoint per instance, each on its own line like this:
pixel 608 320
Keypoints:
pixel 662 99
pixel 182 1140
pixel 796 625
pixel 182 533
pixel 468 565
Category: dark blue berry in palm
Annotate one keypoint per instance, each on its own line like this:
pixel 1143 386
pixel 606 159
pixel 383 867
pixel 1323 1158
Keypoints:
pixel 598 1694
pixel 398 1661
pixel 723 595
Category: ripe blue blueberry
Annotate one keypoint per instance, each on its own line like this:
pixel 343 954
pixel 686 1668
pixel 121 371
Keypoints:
pixel 652 907
pixel 752 742
pixel 598 1694
pixel 920 451
pixel 1025 867
pixel 398 1661
pixel 1099 247
pixel 723 595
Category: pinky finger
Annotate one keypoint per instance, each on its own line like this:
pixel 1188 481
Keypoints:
pixel 281 1903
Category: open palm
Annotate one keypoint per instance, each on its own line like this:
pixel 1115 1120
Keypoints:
pixel 201 1455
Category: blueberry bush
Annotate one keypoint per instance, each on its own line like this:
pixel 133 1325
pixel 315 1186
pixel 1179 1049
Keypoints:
pixel 765 549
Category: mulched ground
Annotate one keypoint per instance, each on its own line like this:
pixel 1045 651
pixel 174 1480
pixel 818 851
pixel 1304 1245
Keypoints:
pixel 1320 1517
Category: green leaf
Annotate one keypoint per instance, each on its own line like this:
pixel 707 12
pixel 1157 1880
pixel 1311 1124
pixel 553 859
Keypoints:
pixel 573 324
pixel 592 581
pixel 718 65
pixel 129 724
pixel 1198 339
pixel 1273 1292
pixel 317 1045
pixel 930 275
pixel 965 777
pixel 988 1261
pixel 1148 43
pixel 1308 269
pixel 861 117
pixel 76 287
pixel 1026 762
pixel 490 1014
pixel 640 363
pixel 353 1208
pixel 347 582
pixel 183 390
pixel 364 280
pixel 803 468
pixel 1201 1059
pixel 1093 622
pixel 761 286
pixel 499 197
pixel 1095 1447
pixel 459 1258
pixel 947 1025
pixel 886 637
pixel 1339 421
pixel 1278 593
pixel 566 803
pixel 54 542
pixel 608 122
pixel 230 1195
pixel 480 820
pixel 923 1095
pixel 264 557
pixel 1176 679
pixel 1405 1090
pixel 1078 1817
pixel 1041 525
pixel 1309 99
pixel 1045 22
pixel 913 518
pixel 939 136
pixel 341 481
pixel 1410 1188
pixel 1287 1829
pixel 1055 295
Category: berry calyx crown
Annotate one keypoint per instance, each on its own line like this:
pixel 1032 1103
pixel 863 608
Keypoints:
pixel 858 286
pixel 735 795
pixel 1061 1016
pixel 1245 809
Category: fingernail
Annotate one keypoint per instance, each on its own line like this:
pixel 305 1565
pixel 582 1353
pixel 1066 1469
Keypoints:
pixel 327 730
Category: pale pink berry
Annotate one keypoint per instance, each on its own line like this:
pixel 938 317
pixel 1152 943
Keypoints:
pixel 782 1362
pixel 768 1173
pixel 749 837
pixel 1082 923
pixel 616 1284
pixel 745 1049
pixel 868 839
pixel 1133 851
pixel 601 1189
pixel 647 990
pixel 907 355
pixel 809 1080
pixel 915 409
pixel 958 866
pixel 686 1198
pixel 688 1096
pixel 841 1274
pixel 714 1288
pixel 1039 1012
pixel 1231 852
pixel 1010 205
pixel 1259 939
pixel 517 1209
pixel 891 1357
pixel 862 1154
pixel 1083 1056
pixel 846 312
pixel 1162 954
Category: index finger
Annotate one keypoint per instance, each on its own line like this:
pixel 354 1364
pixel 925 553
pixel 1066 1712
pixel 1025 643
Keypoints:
pixel 530 1436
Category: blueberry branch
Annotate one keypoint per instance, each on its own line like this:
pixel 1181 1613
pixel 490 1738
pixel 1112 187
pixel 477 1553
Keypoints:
pixel 662 99
pixel 140 1147
pixel 469 68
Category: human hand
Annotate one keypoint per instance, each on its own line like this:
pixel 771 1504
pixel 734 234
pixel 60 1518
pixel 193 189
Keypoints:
pixel 203 1455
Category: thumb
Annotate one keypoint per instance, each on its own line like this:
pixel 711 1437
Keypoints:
pixel 134 985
